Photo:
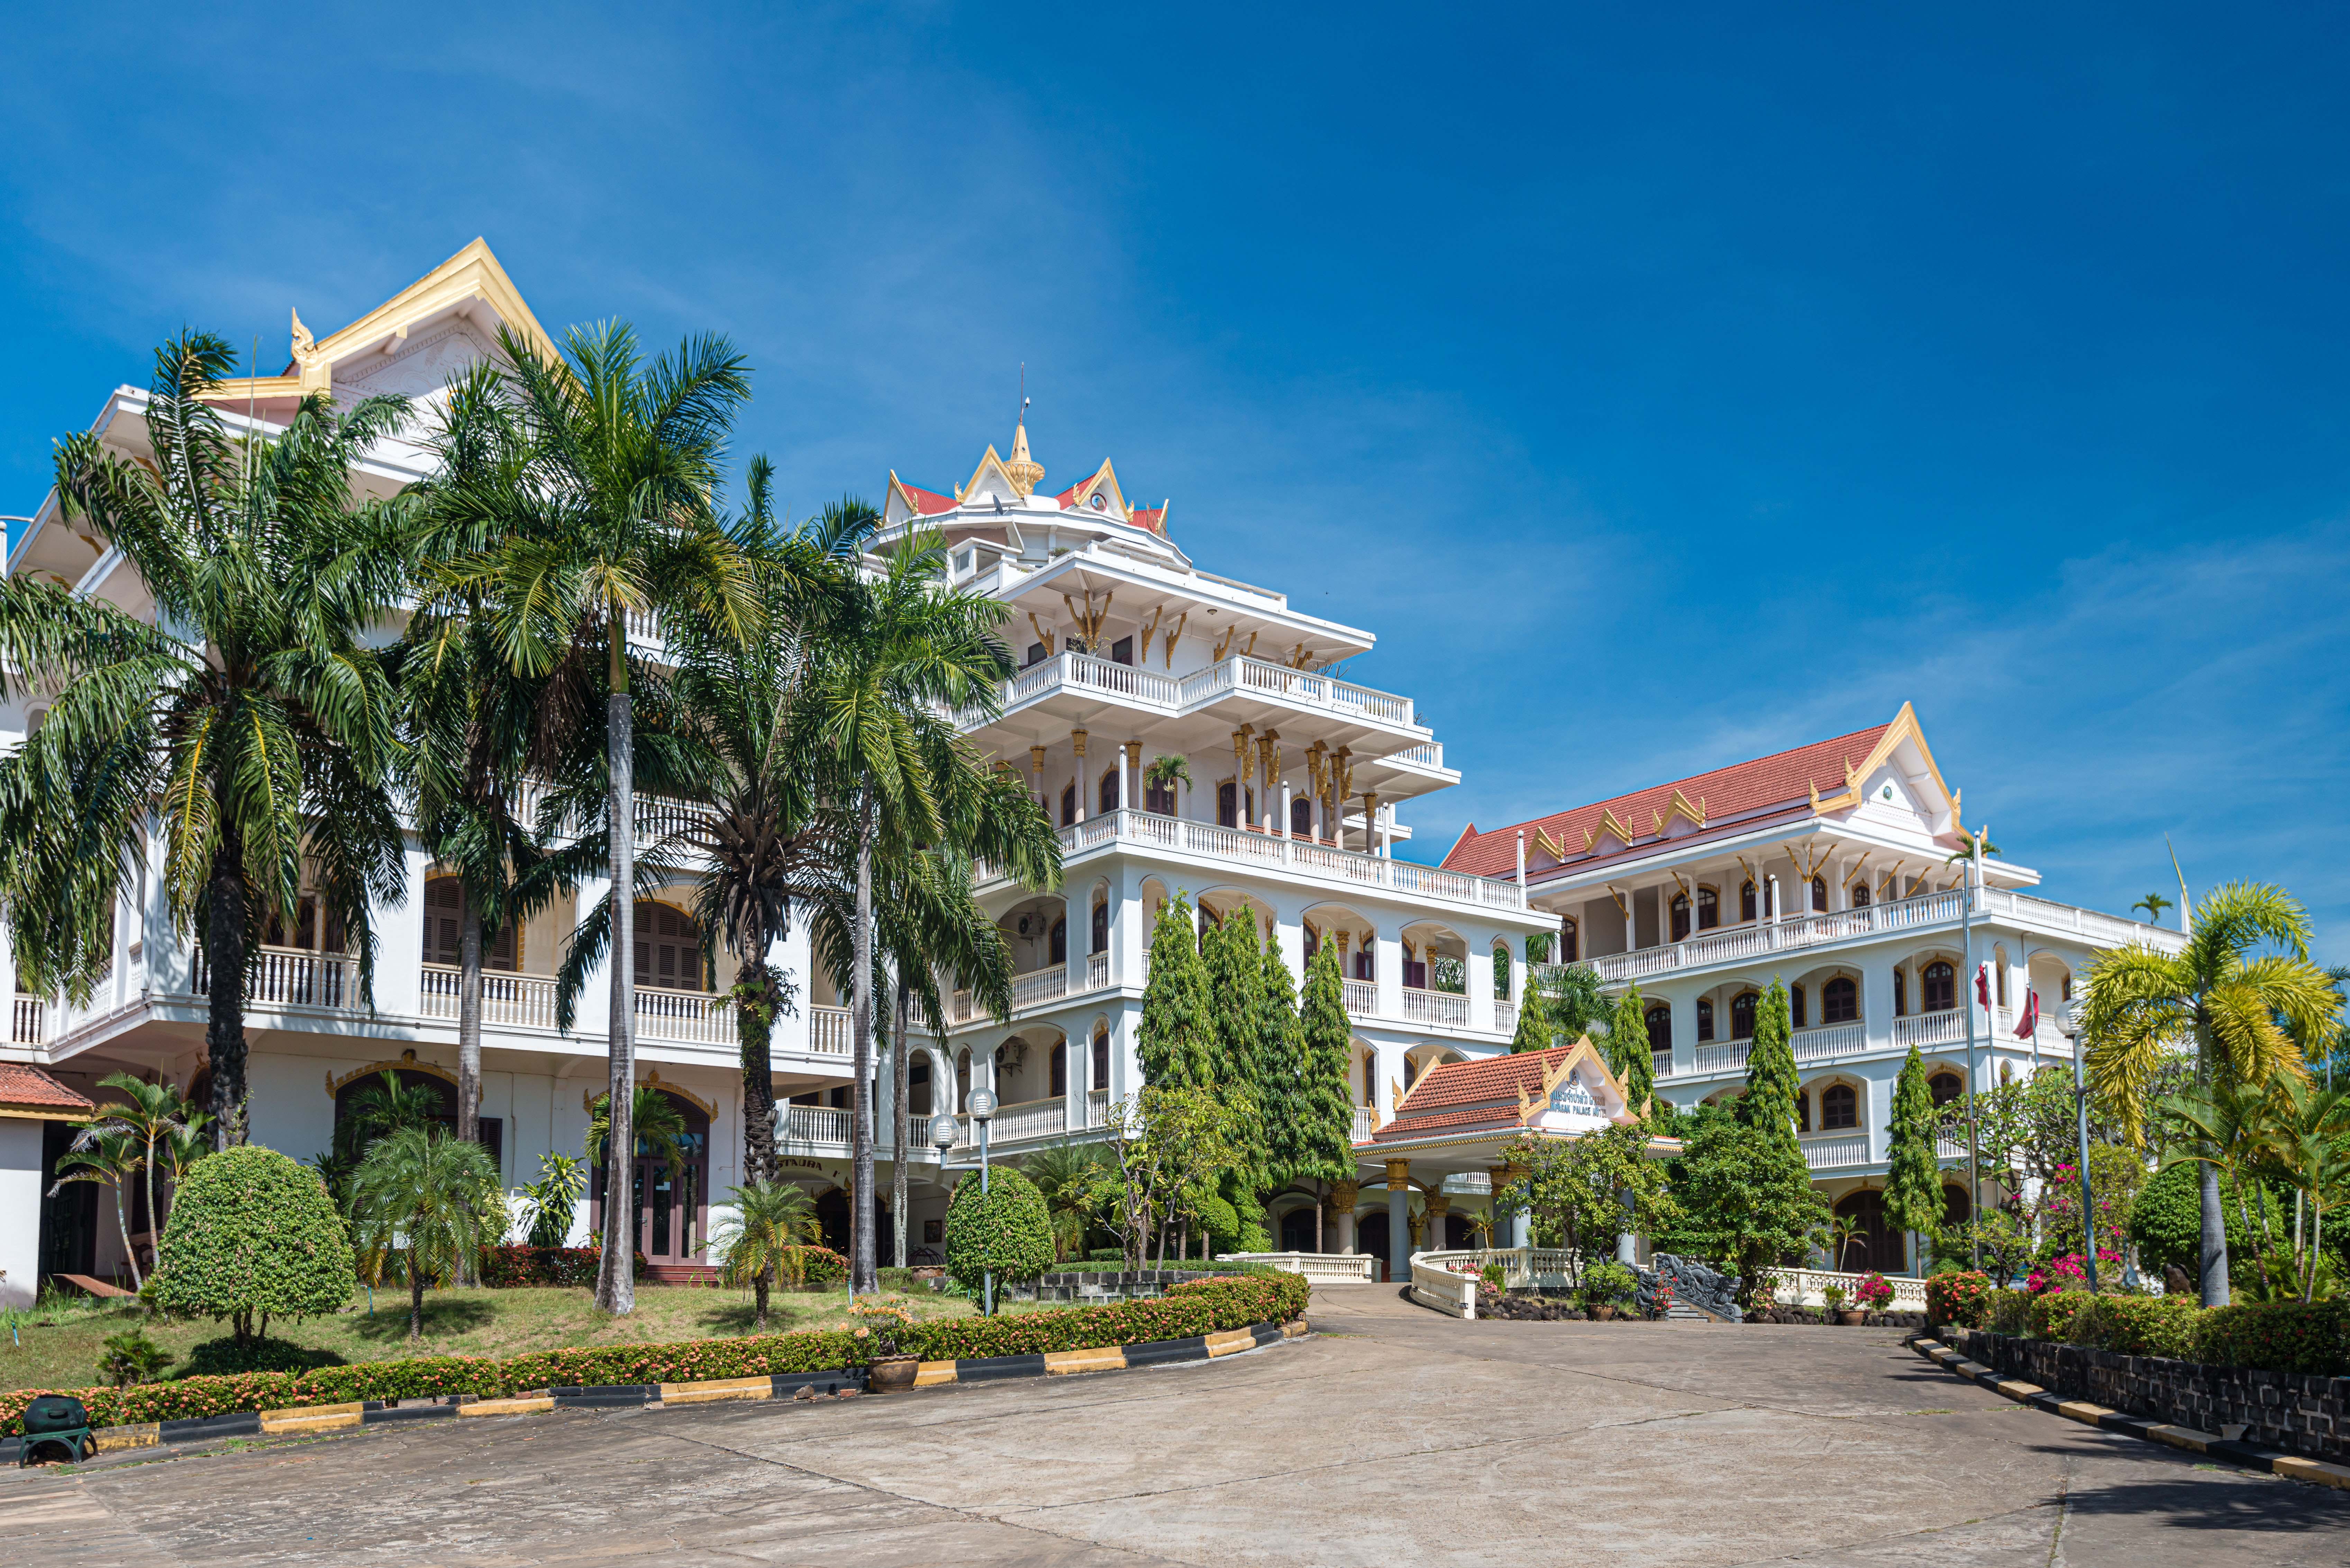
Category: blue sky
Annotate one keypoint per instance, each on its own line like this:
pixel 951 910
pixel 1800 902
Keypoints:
pixel 1661 391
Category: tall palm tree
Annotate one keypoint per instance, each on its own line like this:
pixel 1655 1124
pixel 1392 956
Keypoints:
pixel 2222 997
pixel 108 1157
pixel 432 1197
pixel 896 655
pixel 608 520
pixel 760 1236
pixel 252 722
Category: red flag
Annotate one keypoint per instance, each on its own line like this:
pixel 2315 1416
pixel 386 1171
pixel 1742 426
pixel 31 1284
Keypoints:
pixel 2028 1025
pixel 1982 985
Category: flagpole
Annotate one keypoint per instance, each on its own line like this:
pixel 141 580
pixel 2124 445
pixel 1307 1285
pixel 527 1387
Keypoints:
pixel 1970 870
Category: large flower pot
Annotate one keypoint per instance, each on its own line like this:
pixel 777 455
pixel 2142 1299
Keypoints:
pixel 1852 1318
pixel 1603 1314
pixel 892 1373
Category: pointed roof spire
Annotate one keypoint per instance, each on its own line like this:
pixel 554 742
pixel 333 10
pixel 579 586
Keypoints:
pixel 1025 472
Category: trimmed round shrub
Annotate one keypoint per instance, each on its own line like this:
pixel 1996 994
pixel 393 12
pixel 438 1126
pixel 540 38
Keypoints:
pixel 252 1233
pixel 2167 1220
pixel 1006 1233
pixel 818 1265
pixel 1958 1298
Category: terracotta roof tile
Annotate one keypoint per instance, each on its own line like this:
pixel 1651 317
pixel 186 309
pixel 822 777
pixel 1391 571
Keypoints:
pixel 1781 782
pixel 29 1087
pixel 1416 1125
pixel 929 503
pixel 1488 1079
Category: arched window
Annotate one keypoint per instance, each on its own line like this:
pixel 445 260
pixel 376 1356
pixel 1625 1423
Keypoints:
pixel 1060 941
pixel 1660 1019
pixel 1061 1055
pixel 1839 1107
pixel 1567 946
pixel 1704 1019
pixel 1957 1208
pixel 669 949
pixel 1741 1015
pixel 444 898
pixel 1945 1087
pixel 1839 1001
pixel 963 1079
pixel 1101 1059
pixel 1068 806
pixel 1158 797
pixel 1301 816
pixel 1109 790
pixel 1820 894
pixel 1860 895
pixel 1746 905
pixel 1708 908
pixel 1900 993
pixel 1681 916
pixel 1101 928
pixel 1501 972
pixel 1939 987
pixel 1798 1013
pixel 917 1085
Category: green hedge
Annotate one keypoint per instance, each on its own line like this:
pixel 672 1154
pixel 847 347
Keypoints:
pixel 2267 1336
pixel 2052 1314
pixel 2278 1336
pixel 1960 1299
pixel 2140 1325
pixel 1196 1307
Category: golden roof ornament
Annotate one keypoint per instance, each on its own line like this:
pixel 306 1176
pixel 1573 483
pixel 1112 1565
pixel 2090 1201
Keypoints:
pixel 1023 470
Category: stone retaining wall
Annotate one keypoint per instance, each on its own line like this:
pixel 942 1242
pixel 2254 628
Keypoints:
pixel 2284 1410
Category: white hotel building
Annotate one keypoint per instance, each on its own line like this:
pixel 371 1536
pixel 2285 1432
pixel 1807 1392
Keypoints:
pixel 1826 865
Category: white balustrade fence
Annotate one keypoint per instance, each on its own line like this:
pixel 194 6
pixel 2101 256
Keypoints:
pixel 1660 1063
pixel 508 1001
pixel 1322 1268
pixel 1944 1028
pixel 692 1016
pixel 26 1025
pixel 1440 1007
pixel 1096 1107
pixel 1096 971
pixel 814 1125
pixel 1828 1040
pixel 1366 1122
pixel 1029 1118
pixel 1505 1015
pixel 1834 1153
pixel 831 1032
pixel 1362 997
pixel 1041 985
pixel 1807 1287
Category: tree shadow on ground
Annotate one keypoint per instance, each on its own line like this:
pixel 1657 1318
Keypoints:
pixel 446 1313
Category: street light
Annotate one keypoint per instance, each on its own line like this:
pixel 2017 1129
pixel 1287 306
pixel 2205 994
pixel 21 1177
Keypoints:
pixel 2071 1029
pixel 982 1111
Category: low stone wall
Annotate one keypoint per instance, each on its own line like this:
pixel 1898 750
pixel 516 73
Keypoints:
pixel 1135 1284
pixel 2308 1416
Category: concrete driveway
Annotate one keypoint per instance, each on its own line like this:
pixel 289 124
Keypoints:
pixel 1394 1437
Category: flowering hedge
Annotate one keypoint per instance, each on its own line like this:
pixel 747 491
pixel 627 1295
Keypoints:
pixel 506 1267
pixel 2278 1336
pixel 1198 1307
pixel 2140 1325
pixel 2051 1314
pixel 818 1265
pixel 1959 1299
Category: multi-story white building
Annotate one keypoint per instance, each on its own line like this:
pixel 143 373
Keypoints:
pixel 1827 865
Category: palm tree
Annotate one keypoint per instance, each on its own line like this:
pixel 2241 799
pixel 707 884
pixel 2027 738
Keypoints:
pixel 1067 1174
pixel 381 1108
pixel 2222 997
pixel 181 1147
pixel 606 519
pixel 429 1194
pixel 2153 904
pixel 761 1237
pixel 2304 1144
pixel 894 658
pixel 251 721
pixel 109 1159
pixel 155 1113
pixel 658 1126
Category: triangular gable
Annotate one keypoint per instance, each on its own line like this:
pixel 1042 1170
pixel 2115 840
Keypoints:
pixel 1942 802
pixel 905 501
pixel 1560 1077
pixel 991 467
pixel 1104 483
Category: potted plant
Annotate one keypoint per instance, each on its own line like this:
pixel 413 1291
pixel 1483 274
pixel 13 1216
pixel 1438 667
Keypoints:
pixel 887 1326
pixel 1605 1287
pixel 1874 1294
pixel 1833 1299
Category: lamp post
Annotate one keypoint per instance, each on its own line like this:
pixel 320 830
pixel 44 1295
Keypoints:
pixel 2081 1111
pixel 982 1111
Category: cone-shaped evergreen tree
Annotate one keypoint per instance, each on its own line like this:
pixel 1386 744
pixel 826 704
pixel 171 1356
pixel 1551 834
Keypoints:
pixel 1628 1033
pixel 1913 1182
pixel 1279 1058
pixel 1235 988
pixel 1321 1120
pixel 1769 1105
pixel 1751 1189
pixel 1177 1041
pixel 1533 1026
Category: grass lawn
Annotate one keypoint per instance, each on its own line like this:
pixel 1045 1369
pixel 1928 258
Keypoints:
pixel 57 1345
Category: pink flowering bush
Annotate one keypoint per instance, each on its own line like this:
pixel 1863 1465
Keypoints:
pixel 1875 1293
pixel 2068 1272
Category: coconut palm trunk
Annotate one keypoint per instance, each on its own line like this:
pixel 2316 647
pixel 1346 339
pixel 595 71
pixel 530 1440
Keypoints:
pixel 900 1129
pixel 224 1018
pixel 615 1290
pixel 756 1004
pixel 860 1245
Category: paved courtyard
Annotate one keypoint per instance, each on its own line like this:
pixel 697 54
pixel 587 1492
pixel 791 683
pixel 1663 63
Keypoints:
pixel 1396 1437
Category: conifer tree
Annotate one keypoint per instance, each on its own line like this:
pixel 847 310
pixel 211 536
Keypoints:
pixel 1534 1032
pixel 1280 1059
pixel 1235 973
pixel 1176 1042
pixel 1748 1189
pixel 1628 1033
pixel 1322 1123
pixel 1771 1084
pixel 1913 1182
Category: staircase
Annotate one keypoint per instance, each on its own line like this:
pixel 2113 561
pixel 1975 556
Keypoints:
pixel 1681 1311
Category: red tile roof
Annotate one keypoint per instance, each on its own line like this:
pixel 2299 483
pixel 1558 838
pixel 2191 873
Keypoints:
pixel 1495 1078
pixel 928 503
pixel 1743 791
pixel 34 1089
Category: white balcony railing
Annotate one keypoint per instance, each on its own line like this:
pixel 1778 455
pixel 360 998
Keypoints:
pixel 1347 867
pixel 1728 1056
pixel 1097 1107
pixel 31 1016
pixel 284 978
pixel 814 1125
pixel 1949 1149
pixel 1441 1007
pixel 1834 1153
pixel 1505 1015
pixel 1807 1287
pixel 508 1001
pixel 1829 1040
pixel 1029 1118
pixel 1080 672
pixel 1366 1122
pixel 1037 986
pixel 1362 997
pixel 1427 754
pixel 691 1016
pixel 1660 1063
pixel 1096 970
pixel 1256 676
pixel 831 1032
pixel 1944 1028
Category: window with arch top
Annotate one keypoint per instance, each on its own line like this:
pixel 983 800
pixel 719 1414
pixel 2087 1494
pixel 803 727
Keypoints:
pixel 1100 928
pixel 1060 941
pixel 1742 1014
pixel 1944 1087
pixel 1708 908
pixel 443 901
pixel 1820 894
pixel 1301 816
pixel 1839 1107
pixel 1567 945
pixel 1798 1008
pixel 1839 1001
pixel 1158 797
pixel 1660 1019
pixel 1109 791
pixel 1704 1019
pixel 1746 904
pixel 1939 987
pixel 1860 895
pixel 1068 806
pixel 1681 916
pixel 1101 1059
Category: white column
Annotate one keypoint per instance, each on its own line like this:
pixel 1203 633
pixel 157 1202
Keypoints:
pixel 1387 832
pixel 1282 828
pixel 1478 976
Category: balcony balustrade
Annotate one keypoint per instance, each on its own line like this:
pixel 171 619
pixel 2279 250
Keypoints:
pixel 1131 683
pixel 1439 1007
pixel 1505 1015
pixel 31 1017
pixel 1096 970
pixel 1366 1122
pixel 814 1125
pixel 1344 868
pixel 691 1016
pixel 1950 1148
pixel 1660 1063
pixel 1362 997
pixel 508 1001
pixel 1835 1153
pixel 1097 1107
pixel 1028 1119
pixel 1037 986
pixel 1948 1027
pixel 830 1031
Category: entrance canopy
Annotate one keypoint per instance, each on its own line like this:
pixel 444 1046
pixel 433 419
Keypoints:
pixel 1461 1117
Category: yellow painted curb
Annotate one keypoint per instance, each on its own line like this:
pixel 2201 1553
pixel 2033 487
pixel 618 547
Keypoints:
pixel 146 1435
pixel 2017 1390
pixel 1105 1359
pixel 711 1389
pixel 1229 1342
pixel 310 1412
pixel 931 1374
pixel 2081 1410
pixel 1296 1330
pixel 310 1424
pixel 1967 1368
pixel 2316 1470
pixel 2186 1438
pixel 505 1407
